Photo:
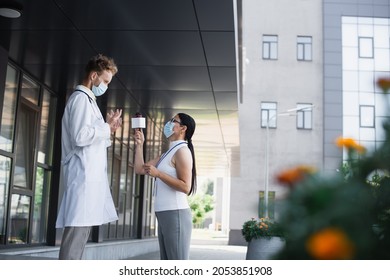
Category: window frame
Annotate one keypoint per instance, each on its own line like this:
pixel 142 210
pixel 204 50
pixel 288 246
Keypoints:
pixel 267 112
pixel 304 114
pixel 270 47
pixel 304 46
pixel 360 38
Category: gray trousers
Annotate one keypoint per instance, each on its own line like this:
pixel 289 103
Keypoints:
pixel 73 242
pixel 174 234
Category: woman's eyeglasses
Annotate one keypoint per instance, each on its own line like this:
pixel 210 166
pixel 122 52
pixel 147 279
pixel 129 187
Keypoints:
pixel 173 120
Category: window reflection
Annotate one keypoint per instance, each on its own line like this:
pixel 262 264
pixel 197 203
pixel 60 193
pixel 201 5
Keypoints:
pixel 24 215
pixel 5 164
pixel 25 147
pixel 41 197
pixel 126 127
pixel 129 203
pixel 46 130
pixel 20 211
pixel 9 109
pixel 30 90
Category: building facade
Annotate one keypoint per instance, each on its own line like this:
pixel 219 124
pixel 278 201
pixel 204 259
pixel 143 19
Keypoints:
pixel 181 59
pixel 30 178
pixel 327 54
pixel 271 84
pixel 356 54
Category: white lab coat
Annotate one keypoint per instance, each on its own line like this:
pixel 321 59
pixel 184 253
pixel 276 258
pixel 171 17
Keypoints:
pixel 87 199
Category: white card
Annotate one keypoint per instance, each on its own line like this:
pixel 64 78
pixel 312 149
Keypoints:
pixel 138 122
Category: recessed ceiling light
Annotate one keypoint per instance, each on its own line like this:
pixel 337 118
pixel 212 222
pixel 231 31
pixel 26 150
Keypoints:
pixel 10 10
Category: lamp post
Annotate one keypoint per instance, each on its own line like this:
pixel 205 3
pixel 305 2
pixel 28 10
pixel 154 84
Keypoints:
pixel 288 112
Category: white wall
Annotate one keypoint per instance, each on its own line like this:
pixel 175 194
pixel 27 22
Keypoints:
pixel 285 81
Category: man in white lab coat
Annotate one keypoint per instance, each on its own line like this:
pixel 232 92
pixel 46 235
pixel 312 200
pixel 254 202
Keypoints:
pixel 87 199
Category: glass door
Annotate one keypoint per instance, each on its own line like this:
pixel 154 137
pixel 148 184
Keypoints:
pixel 23 175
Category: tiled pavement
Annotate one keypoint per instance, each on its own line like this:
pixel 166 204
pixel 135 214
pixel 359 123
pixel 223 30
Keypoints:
pixel 206 245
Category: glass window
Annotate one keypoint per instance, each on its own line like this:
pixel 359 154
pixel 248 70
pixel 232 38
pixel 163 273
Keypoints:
pixel 9 109
pixel 268 114
pixel 270 47
pixel 136 206
pixel 148 204
pixel 130 211
pixel 366 47
pixel 304 48
pixel 24 215
pixel 304 116
pixel 20 212
pixel 41 206
pixel 122 193
pixel 126 126
pixel 110 151
pixel 367 116
pixel 117 146
pixel 115 180
pixel 46 131
pixel 25 145
pixel 30 90
pixel 363 111
pixel 5 167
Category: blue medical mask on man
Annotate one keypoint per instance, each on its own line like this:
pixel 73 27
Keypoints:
pixel 100 89
pixel 168 129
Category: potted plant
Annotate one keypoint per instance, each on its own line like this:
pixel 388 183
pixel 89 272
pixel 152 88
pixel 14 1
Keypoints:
pixel 264 237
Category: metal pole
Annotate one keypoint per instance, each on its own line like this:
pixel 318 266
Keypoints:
pixel 267 166
pixel 287 113
pixel 266 169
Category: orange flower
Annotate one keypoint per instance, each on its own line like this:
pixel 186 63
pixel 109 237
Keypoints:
pixel 384 84
pixel 330 244
pixel 350 144
pixel 263 225
pixel 292 176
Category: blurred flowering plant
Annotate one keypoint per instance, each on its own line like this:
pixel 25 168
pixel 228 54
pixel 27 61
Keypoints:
pixel 345 216
pixel 384 84
pixel 262 228
pixel 291 176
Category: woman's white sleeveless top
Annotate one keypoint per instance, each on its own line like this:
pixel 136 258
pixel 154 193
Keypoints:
pixel 167 198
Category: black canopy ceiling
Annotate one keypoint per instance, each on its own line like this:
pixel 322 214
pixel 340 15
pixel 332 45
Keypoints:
pixel 173 56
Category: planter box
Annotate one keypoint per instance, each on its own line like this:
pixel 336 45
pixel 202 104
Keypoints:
pixel 263 248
